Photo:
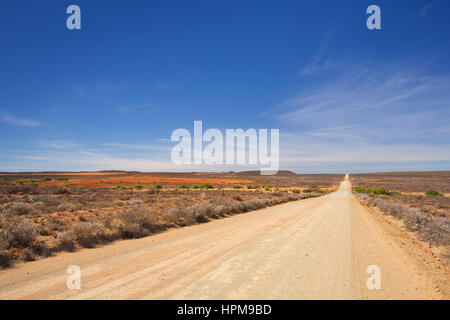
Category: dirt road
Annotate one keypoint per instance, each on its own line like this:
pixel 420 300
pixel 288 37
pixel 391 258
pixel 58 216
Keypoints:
pixel 318 248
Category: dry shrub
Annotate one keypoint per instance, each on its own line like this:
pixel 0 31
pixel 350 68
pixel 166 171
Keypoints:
pixel 87 234
pixel 23 189
pixel 414 219
pixel 136 202
pixel 4 198
pixel 222 210
pixel 438 231
pixel 18 234
pixel 255 204
pixel 174 215
pixel 433 230
pixel 66 241
pixel 65 206
pixel 138 222
pixel 6 259
pixel 47 200
pixel 198 213
pixel 55 189
pixel 118 203
pixel 20 208
pixel 28 255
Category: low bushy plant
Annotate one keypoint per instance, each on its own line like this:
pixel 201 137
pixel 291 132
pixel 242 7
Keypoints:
pixel 432 192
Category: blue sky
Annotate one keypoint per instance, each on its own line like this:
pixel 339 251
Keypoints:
pixel 108 96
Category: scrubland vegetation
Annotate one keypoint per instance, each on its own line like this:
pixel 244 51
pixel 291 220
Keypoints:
pixel 434 229
pixel 417 198
pixel 38 220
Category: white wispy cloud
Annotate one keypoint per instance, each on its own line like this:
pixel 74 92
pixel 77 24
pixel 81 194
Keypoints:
pixel 138 146
pixel 137 107
pixel 367 113
pixel 10 119
pixel 56 144
pixel 424 10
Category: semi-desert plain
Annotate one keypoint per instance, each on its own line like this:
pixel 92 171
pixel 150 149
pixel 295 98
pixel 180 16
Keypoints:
pixel 225 235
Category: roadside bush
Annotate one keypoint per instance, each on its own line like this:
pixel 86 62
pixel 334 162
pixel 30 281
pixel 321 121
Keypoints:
pixel 236 186
pixel 433 230
pixel 138 222
pixel 255 204
pixel 138 186
pixel 183 186
pixel 373 190
pixel 174 215
pixel 199 213
pixel 158 186
pixel 222 210
pixel 87 234
pixel 380 191
pixel 433 193
pixel 18 234
pixel 40 248
pixel 6 259
pixel 415 220
pixel 438 231
pixel 66 241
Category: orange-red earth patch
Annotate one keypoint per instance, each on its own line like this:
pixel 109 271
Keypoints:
pixel 109 182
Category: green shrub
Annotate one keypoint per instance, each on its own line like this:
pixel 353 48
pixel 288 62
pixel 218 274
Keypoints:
pixel 195 186
pixel 236 186
pixel 158 186
pixel 138 186
pixel 432 192
pixel 380 191
pixel 119 186
pixel 183 186
pixel 361 190
pixel 320 191
pixel 61 179
pixel 46 179
pixel 206 186
pixel 373 190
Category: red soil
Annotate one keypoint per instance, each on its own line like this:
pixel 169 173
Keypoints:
pixel 109 182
